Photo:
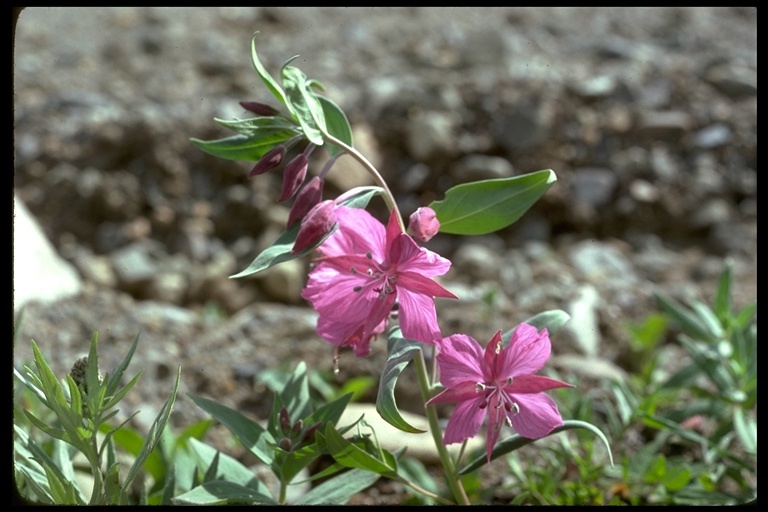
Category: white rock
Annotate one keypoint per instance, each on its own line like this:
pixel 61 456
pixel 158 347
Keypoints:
pixel 39 273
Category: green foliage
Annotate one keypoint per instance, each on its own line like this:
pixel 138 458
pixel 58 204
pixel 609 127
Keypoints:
pixel 80 411
pixel 486 206
pixel 280 250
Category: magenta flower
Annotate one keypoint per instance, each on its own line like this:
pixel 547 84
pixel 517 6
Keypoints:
pixel 499 382
pixel 423 224
pixel 364 268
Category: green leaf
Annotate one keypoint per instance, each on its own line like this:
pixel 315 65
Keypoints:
pixel 746 429
pixel 280 250
pixel 228 468
pixel 253 436
pixel 132 442
pixel 153 436
pixel 722 303
pixel 61 489
pixel 330 412
pixel 336 124
pixel 350 455
pixel 112 486
pixel 221 492
pixel 261 126
pixel 552 320
pixel 676 478
pixel 340 489
pixel 486 206
pixel 516 441
pixel 240 147
pixel 400 352
pixel 270 82
pixel 303 103
pixel 113 381
pixel 295 394
pixel 690 323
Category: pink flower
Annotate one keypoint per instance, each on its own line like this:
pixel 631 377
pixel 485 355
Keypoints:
pixel 364 268
pixel 423 224
pixel 499 382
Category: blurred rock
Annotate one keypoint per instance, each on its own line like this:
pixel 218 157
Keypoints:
pixel 38 272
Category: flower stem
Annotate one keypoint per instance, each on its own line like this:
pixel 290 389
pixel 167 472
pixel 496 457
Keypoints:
pixel 388 197
pixel 451 476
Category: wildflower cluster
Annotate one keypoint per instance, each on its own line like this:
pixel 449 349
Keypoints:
pixel 367 273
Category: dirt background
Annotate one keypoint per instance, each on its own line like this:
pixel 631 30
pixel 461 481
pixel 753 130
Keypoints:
pixel 646 115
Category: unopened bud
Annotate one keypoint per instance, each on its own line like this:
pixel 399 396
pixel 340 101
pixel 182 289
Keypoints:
pixel 269 161
pixel 423 224
pixel 317 223
pixel 309 434
pixel 293 176
pixel 309 195
pixel 259 108
pixel 285 421
pixel 297 427
pixel 286 444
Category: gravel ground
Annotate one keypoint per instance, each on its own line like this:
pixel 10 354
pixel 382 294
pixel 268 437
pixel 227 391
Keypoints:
pixel 647 116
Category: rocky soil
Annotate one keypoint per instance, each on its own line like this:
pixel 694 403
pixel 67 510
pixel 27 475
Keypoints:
pixel 646 115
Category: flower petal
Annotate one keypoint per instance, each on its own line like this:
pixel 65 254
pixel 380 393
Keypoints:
pixel 460 358
pixel 534 384
pixel 359 233
pixel 424 285
pixel 407 256
pixel 526 354
pixel 418 317
pixel 537 417
pixel 465 422
pixel 464 391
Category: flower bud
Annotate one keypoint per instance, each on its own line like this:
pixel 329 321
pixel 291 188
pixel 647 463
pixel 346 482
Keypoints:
pixel 309 433
pixel 317 223
pixel 297 427
pixel 293 176
pixel 259 109
pixel 285 421
pixel 286 444
pixel 269 161
pixel 423 224
pixel 309 195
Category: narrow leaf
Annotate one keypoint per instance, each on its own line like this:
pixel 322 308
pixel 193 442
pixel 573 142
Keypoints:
pixel 486 206
pixel 270 82
pixel 552 320
pixel 113 381
pixel 400 352
pixel 336 124
pixel 253 436
pixel 303 103
pixel 240 147
pixel 280 250
pixel 516 441
pixel 722 303
pixel 153 436
pixel 338 490
pixel 689 322
pixel 350 455
pixel 221 492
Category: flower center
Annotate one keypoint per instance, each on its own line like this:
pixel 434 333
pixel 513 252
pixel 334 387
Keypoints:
pixel 383 280
pixel 496 394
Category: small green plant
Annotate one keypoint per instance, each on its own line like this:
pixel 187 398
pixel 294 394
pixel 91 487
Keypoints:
pixel 74 414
